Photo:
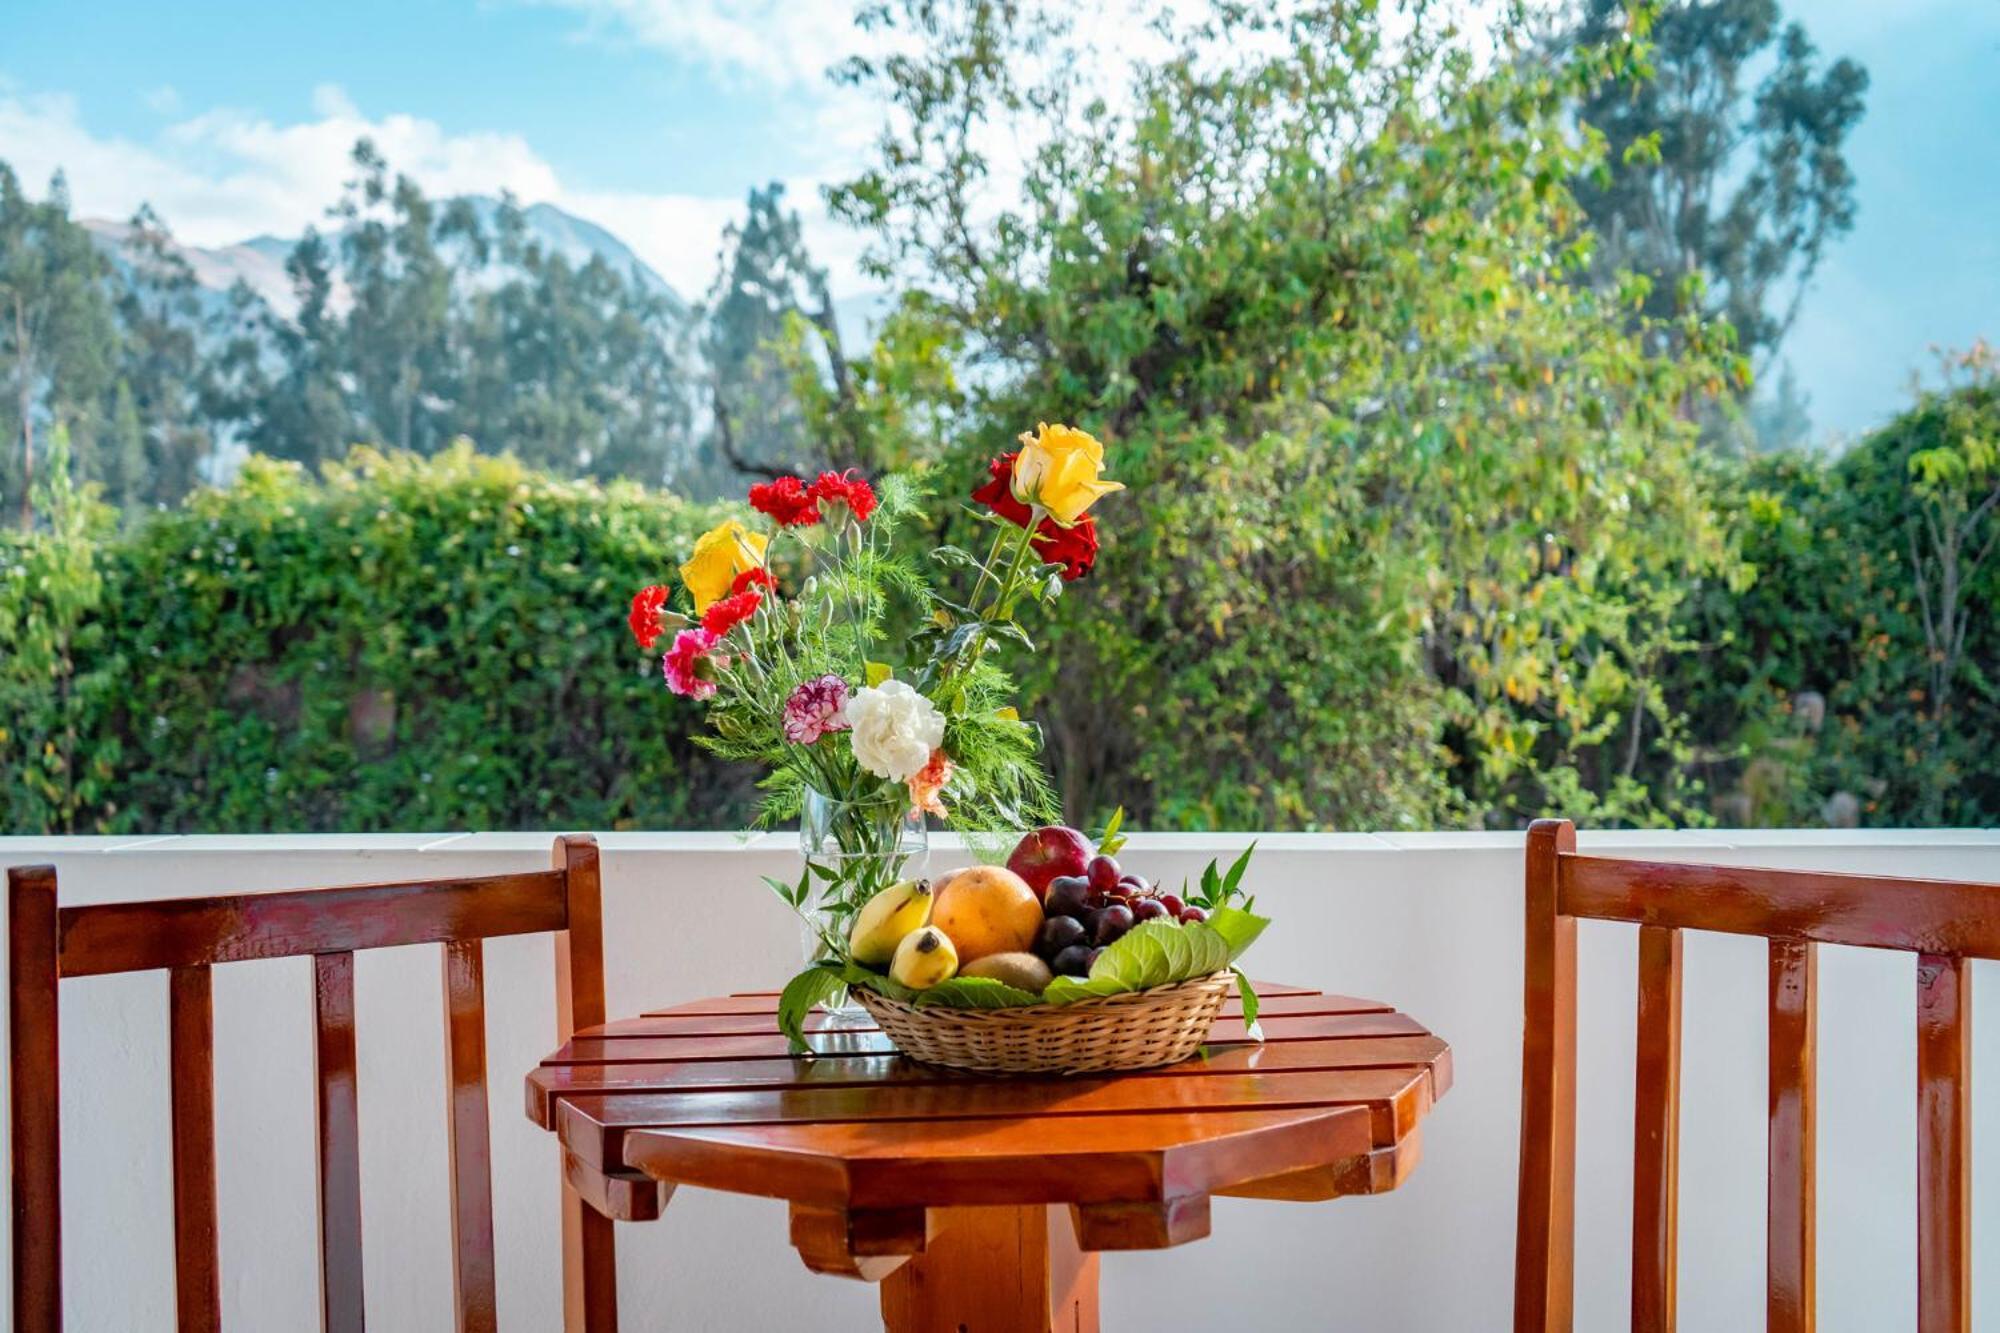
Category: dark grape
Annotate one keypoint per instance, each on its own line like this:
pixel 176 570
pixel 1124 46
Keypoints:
pixel 1103 872
pixel 1119 893
pixel 1058 933
pixel 1074 961
pixel 1134 883
pixel 1148 909
pixel 1091 961
pixel 1190 915
pixel 1172 902
pixel 1112 922
pixel 1066 896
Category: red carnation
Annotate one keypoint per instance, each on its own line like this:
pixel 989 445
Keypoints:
pixel 754 577
pixel 848 489
pixel 726 614
pixel 787 500
pixel 645 617
pixel 1074 547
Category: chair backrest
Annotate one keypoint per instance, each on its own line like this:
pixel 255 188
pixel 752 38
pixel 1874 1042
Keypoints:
pixel 186 937
pixel 1943 922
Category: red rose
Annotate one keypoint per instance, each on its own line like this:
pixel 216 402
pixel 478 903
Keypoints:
pixel 998 494
pixel 786 500
pixel 1074 547
pixel 848 489
pixel 725 615
pixel 754 577
pixel 645 617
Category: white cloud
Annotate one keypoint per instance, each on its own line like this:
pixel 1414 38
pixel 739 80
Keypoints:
pixel 787 43
pixel 225 175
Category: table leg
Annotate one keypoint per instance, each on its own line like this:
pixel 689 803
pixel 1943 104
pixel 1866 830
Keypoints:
pixel 995 1270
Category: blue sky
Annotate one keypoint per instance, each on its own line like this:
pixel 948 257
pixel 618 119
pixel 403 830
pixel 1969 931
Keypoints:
pixel 653 117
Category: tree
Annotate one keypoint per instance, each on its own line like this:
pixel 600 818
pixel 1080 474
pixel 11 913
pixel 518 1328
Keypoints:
pixel 400 289
pixel 298 408
pixel 577 369
pixel 161 367
pixel 770 298
pixel 1952 527
pixel 1408 504
pixel 56 330
pixel 1722 195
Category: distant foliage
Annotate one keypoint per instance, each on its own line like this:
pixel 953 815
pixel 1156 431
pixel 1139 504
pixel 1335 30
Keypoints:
pixel 58 679
pixel 411 644
pixel 1857 680
pixel 1416 506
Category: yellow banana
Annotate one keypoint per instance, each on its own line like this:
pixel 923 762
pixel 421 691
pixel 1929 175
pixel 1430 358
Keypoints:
pixel 924 958
pixel 886 918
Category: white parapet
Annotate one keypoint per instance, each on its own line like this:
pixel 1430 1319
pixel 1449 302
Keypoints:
pixel 1428 921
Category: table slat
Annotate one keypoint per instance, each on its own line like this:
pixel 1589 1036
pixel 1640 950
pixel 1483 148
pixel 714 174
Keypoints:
pixel 1395 1098
pixel 1094 1159
pixel 1232 1007
pixel 737 1046
pixel 550 1082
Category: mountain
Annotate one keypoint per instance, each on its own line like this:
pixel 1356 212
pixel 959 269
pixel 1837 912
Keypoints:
pixel 259 263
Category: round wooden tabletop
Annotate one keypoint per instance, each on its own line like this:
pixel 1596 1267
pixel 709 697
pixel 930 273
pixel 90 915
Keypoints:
pixel 883 1158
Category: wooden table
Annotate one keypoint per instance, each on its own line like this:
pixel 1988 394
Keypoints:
pixel 949 1188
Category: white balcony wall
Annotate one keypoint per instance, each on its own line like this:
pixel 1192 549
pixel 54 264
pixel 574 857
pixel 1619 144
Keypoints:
pixel 1428 922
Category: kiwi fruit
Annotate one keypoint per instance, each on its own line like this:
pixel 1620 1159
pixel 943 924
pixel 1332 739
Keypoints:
pixel 1023 971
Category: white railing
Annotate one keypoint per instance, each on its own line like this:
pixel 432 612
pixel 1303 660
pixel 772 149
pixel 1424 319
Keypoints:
pixel 1430 922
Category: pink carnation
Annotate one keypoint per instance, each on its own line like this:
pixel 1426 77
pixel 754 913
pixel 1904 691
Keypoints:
pixel 814 709
pixel 688 667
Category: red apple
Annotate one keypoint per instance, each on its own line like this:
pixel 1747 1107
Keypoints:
pixel 1047 853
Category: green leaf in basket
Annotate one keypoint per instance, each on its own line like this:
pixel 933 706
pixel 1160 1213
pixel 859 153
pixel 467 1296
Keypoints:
pixel 1208 950
pixel 1239 928
pixel 856 975
pixel 801 993
pixel 1248 993
pixel 975 993
pixel 1068 990
pixel 1139 959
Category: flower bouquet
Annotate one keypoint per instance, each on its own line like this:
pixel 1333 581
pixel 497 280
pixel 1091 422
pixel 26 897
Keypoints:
pixel 1059 960
pixel 785 635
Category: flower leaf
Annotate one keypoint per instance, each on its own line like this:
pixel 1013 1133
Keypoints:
pixel 801 993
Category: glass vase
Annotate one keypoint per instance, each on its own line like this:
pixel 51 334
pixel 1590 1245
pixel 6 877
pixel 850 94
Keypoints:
pixel 859 847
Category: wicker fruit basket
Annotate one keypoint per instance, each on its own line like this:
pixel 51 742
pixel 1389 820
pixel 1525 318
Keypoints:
pixel 1134 1030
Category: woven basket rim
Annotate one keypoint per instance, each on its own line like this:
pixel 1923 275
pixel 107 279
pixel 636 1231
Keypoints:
pixel 1030 1012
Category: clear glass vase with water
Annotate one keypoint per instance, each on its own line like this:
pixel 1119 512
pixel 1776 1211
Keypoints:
pixel 854 849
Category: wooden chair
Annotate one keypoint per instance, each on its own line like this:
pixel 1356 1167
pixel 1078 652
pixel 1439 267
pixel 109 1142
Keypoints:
pixel 1944 923
pixel 186 937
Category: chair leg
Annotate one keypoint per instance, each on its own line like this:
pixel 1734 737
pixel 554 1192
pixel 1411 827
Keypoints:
pixel 590 1268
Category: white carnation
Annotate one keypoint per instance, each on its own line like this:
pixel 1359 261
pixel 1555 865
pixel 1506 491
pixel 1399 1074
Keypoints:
pixel 894 729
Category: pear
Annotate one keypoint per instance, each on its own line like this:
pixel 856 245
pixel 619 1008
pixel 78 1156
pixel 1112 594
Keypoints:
pixel 886 918
pixel 923 959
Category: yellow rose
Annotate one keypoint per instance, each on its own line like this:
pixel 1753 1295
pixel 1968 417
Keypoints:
pixel 1061 469
pixel 719 556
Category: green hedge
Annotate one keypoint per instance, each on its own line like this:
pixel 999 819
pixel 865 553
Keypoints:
pixel 406 644
pixel 1814 684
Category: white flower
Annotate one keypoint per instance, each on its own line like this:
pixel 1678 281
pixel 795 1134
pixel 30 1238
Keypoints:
pixel 895 729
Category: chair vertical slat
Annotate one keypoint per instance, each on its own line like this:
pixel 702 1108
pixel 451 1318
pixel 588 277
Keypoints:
pixel 470 1136
pixel 1656 1132
pixel 590 1270
pixel 191 1058
pixel 33 1104
pixel 1544 1284
pixel 1944 1145
pixel 1789 1296
pixel 339 1145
